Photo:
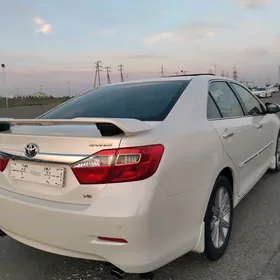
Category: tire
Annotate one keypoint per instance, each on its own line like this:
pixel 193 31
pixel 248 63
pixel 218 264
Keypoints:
pixel 277 155
pixel 214 250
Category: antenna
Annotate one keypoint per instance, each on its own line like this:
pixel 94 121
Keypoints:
pixel 108 70
pixel 121 71
pixel 97 73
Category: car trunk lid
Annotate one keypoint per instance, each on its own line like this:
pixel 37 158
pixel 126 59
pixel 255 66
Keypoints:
pixel 59 143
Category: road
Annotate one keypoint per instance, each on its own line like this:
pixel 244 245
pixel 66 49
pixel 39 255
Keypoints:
pixel 253 252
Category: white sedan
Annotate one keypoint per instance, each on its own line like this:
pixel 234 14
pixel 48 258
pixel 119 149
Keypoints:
pixel 137 174
pixel 262 92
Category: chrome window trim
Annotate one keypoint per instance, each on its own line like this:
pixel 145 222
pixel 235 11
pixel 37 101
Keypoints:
pixel 43 157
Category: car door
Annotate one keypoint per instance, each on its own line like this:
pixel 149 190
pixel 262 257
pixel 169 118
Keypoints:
pixel 263 124
pixel 237 133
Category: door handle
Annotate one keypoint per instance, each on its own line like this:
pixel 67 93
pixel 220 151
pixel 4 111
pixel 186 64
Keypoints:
pixel 227 134
pixel 258 126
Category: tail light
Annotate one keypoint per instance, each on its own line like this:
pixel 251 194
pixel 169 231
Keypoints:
pixel 119 165
pixel 3 163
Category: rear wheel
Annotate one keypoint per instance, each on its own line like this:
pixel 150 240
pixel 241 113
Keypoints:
pixel 218 219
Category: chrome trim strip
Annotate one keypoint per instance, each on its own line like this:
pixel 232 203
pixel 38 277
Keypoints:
pixel 43 157
pixel 255 155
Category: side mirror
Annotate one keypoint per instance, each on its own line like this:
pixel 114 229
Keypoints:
pixel 272 108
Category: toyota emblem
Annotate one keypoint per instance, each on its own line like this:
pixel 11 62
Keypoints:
pixel 31 150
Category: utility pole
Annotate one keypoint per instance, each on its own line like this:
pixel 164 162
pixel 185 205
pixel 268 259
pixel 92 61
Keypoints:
pixel 121 71
pixel 69 89
pixel 5 84
pixel 223 73
pixel 162 71
pixel 108 70
pixel 215 65
pixel 97 73
pixel 234 74
pixel 210 71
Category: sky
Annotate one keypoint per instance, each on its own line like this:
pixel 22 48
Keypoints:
pixel 53 44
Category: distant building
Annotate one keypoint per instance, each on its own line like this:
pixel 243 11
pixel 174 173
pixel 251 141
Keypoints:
pixel 40 95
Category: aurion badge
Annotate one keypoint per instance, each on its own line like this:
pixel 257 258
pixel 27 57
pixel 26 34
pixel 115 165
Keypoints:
pixel 31 150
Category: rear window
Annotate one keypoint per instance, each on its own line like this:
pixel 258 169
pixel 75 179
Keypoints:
pixel 150 101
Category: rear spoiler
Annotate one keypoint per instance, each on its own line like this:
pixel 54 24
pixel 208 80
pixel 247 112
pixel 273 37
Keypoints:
pixel 107 127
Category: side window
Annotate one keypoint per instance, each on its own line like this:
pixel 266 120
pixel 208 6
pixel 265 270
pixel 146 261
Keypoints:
pixel 226 100
pixel 212 110
pixel 252 105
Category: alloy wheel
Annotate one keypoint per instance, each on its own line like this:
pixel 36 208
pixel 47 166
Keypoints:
pixel 221 216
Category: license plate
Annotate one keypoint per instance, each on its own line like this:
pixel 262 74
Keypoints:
pixel 40 174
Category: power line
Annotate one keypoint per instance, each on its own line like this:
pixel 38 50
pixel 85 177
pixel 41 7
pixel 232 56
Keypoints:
pixel 108 70
pixel 121 71
pixel 98 67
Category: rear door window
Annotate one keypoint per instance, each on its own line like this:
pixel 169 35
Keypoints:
pixel 150 101
pixel 212 109
pixel 225 99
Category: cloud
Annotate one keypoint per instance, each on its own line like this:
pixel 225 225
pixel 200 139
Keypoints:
pixel 42 26
pixel 257 53
pixel 157 38
pixel 194 31
pixel 253 4
pixel 105 33
pixel 141 56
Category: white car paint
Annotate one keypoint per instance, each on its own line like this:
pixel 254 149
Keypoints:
pixel 161 217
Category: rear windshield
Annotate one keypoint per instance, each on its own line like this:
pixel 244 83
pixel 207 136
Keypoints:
pixel 150 101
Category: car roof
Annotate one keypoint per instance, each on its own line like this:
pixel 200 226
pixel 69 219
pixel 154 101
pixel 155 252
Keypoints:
pixel 202 77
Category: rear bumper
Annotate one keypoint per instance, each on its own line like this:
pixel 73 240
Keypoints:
pixel 72 231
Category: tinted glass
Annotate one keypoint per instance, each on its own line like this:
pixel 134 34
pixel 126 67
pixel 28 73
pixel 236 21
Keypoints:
pixel 150 101
pixel 252 105
pixel 225 99
pixel 212 110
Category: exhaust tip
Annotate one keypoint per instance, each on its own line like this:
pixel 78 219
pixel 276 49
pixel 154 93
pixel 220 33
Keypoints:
pixel 117 273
